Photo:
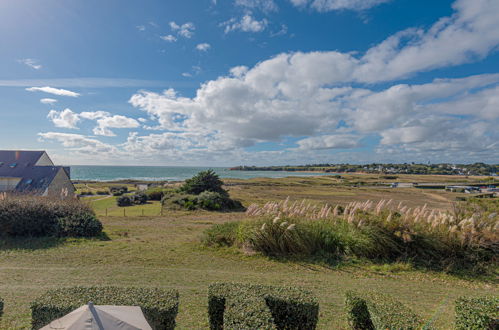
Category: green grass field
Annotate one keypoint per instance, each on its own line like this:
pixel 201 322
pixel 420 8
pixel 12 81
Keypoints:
pixel 165 251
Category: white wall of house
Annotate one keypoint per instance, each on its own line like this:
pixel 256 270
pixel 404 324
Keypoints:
pixel 8 184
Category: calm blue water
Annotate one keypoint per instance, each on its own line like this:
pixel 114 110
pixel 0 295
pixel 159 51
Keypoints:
pixel 168 173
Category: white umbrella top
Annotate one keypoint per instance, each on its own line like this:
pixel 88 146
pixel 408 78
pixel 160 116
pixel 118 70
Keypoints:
pixel 104 317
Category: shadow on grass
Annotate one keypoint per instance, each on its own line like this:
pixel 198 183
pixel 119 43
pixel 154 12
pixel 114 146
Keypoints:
pixel 40 243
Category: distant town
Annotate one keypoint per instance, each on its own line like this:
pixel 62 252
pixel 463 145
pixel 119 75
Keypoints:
pixel 406 168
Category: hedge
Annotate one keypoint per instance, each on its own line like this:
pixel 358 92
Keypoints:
pixel 1 307
pixel 159 306
pixel 373 310
pixel 477 313
pixel 248 306
pixel 35 216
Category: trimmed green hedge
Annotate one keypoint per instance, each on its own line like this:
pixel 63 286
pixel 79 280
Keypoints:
pixel 477 313
pixel 159 306
pixel 247 306
pixel 373 310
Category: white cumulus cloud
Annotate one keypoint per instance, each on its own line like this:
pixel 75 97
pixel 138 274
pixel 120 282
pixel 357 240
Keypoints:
pixel 64 119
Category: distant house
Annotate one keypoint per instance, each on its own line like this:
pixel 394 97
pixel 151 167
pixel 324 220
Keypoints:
pixel 33 172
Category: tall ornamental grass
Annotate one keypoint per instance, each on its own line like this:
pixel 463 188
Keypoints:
pixel 466 237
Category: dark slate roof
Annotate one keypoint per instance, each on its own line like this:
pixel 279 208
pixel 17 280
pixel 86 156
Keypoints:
pixel 19 157
pixel 37 178
pixel 20 164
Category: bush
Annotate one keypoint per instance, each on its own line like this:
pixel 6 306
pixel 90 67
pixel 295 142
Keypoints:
pixel 203 181
pixel 1 307
pixel 41 216
pixel 80 225
pixel 477 313
pixel 102 192
pixel 207 200
pixel 188 202
pixel 155 195
pixel 246 306
pixel 214 201
pixel 118 191
pixel 373 310
pixel 159 306
pixel 139 198
pixel 123 201
pixel 224 234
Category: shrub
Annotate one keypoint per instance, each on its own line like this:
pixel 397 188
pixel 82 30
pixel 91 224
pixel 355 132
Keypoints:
pixel 41 216
pixel 203 181
pixel 155 194
pixel 224 234
pixel 1 307
pixel 159 306
pixel 80 225
pixel 184 201
pixel 214 201
pixel 477 313
pixel 102 192
pixel 373 310
pixel 246 306
pixel 139 198
pixel 207 200
pixel 118 191
pixel 124 201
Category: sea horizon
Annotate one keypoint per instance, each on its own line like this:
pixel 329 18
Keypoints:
pixel 169 173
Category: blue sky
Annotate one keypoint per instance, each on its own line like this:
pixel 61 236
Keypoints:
pixel 253 82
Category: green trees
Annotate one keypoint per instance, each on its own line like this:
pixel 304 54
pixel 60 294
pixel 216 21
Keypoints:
pixel 204 181
pixel 202 191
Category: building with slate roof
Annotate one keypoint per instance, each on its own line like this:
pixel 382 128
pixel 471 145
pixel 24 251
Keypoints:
pixel 33 172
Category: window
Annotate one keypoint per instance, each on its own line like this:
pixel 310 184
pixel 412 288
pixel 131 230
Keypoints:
pixel 29 181
pixel 1 164
pixel 13 165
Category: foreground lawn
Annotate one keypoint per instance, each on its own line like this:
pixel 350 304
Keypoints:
pixel 165 251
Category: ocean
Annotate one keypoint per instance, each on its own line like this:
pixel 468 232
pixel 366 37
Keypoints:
pixel 169 173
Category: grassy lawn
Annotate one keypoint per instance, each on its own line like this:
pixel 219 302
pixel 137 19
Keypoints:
pixel 164 251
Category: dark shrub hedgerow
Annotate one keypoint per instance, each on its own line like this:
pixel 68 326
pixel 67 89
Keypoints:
pixel 373 310
pixel 41 216
pixel 1 307
pixel 477 313
pixel 159 306
pixel 247 306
